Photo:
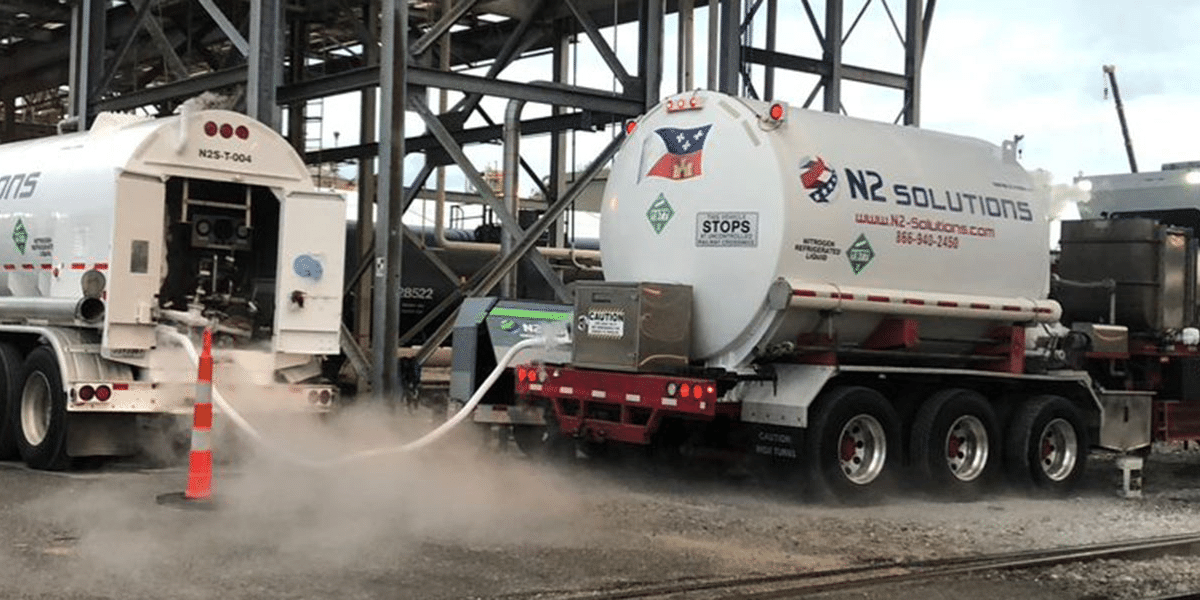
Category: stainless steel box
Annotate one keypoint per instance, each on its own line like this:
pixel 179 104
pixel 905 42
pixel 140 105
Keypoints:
pixel 632 326
pixel 1152 265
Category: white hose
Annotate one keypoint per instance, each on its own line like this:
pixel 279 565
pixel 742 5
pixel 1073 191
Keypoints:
pixel 427 439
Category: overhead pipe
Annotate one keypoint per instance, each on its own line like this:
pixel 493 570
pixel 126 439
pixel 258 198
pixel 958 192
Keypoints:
pixel 511 198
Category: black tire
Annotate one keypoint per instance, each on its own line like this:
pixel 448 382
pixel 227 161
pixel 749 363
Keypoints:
pixel 40 413
pixel 846 459
pixel 956 443
pixel 1047 445
pixel 10 393
pixel 543 442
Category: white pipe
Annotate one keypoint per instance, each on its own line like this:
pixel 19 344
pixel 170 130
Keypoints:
pixel 427 439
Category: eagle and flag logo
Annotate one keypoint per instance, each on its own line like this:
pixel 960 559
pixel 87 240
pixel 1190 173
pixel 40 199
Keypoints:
pixel 684 153
pixel 818 176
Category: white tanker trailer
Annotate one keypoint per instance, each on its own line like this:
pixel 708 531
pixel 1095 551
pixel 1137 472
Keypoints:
pixel 835 296
pixel 203 219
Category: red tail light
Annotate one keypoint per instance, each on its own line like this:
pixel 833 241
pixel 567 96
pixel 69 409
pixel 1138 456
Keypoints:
pixel 103 393
pixel 87 392
pixel 685 390
pixel 697 391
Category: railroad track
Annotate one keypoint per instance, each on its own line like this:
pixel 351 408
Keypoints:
pixel 796 585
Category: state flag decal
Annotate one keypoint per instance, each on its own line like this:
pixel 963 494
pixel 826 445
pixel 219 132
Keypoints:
pixel 684 153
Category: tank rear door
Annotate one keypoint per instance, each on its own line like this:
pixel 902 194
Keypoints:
pixel 308 300
pixel 136 269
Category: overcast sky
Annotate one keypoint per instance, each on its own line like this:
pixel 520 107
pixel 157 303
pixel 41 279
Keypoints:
pixel 992 69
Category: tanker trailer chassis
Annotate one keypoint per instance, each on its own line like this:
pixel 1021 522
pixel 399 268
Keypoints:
pixel 134 237
pixel 844 420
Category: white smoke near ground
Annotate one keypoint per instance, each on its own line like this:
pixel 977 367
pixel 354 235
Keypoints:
pixel 272 516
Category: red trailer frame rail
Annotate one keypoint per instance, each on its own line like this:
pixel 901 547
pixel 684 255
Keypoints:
pixel 624 407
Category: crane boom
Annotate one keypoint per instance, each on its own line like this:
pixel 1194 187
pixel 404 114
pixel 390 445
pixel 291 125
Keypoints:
pixel 1111 72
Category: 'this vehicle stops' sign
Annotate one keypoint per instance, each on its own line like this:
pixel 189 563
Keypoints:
pixel 727 229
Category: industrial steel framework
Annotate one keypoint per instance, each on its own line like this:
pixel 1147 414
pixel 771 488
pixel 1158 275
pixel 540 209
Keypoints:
pixel 63 61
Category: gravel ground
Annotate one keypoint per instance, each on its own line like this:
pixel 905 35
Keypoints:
pixel 740 528
pixel 466 522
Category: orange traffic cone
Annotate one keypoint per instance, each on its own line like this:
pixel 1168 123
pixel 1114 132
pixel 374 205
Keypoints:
pixel 200 464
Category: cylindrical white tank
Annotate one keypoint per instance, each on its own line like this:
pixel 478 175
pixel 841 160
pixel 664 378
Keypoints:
pixel 204 207
pixel 773 220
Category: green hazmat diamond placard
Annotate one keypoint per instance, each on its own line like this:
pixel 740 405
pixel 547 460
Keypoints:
pixel 860 254
pixel 20 236
pixel 660 213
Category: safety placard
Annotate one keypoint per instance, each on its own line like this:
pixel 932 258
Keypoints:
pixel 605 323
pixel 727 229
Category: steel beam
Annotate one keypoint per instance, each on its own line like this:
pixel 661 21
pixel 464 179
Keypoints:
pixel 487 277
pixel 544 93
pixel 179 90
pixel 650 51
pixel 601 45
pixel 914 51
pixel 227 26
pixel 393 67
pixel 507 220
pixel 811 65
pixel 265 62
pixel 832 54
pixel 139 19
pixel 731 46
pixel 442 26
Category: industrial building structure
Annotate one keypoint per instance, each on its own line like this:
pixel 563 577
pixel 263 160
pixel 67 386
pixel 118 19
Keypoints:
pixel 64 61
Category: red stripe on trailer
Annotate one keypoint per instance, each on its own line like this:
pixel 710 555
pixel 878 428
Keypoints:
pixel 804 293
pixel 914 301
pixel 1043 311
pixel 947 304
pixel 27 267
pixel 1011 308
pixel 839 296
pixel 101 266
pixel 878 299
pixel 47 267
pixel 10 267
pixel 78 266
pixel 120 386
pixel 980 306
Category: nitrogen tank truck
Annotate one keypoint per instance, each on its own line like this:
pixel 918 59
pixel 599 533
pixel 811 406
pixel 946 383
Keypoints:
pixel 837 297
pixel 121 238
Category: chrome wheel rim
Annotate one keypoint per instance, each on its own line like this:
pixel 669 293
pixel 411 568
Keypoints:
pixel 967 448
pixel 35 408
pixel 862 449
pixel 1058 447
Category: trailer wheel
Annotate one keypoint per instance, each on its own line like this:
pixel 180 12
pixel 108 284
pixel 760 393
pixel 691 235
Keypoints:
pixel 1047 445
pixel 10 393
pixel 41 413
pixel 953 437
pixel 853 443
pixel 543 442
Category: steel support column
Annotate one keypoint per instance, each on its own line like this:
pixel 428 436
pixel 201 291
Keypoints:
pixel 366 180
pixel 393 84
pixel 833 56
pixel 731 46
pixel 265 61
pixel 87 57
pixel 650 50
pixel 687 45
pixel 914 50
pixel 772 26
